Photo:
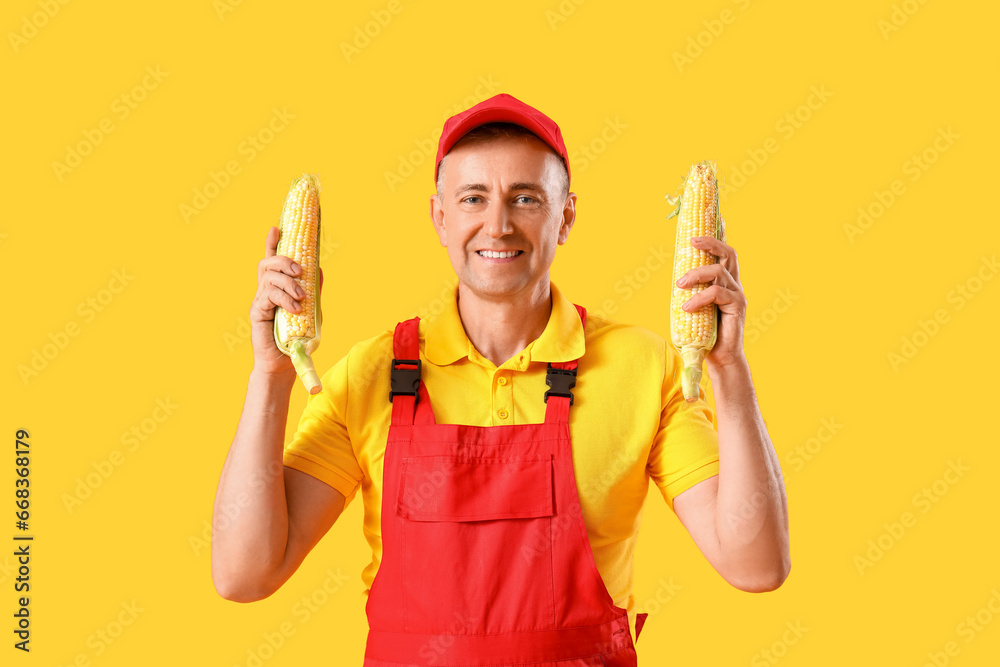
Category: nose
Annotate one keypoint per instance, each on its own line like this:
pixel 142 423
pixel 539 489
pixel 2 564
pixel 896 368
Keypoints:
pixel 496 221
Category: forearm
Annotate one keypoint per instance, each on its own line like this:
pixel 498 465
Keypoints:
pixel 751 508
pixel 250 516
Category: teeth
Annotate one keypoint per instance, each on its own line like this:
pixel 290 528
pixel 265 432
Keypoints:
pixel 498 255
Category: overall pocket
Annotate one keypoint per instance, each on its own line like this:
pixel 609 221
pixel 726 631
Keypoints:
pixel 476 544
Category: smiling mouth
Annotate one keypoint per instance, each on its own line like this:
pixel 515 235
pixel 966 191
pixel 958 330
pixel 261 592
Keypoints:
pixel 498 255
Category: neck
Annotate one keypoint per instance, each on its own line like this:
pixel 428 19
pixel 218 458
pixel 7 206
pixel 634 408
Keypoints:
pixel 500 328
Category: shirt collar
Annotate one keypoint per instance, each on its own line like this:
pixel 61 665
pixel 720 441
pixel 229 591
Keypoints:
pixel 561 340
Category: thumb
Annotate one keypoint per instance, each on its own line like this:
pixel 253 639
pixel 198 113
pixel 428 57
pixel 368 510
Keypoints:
pixel 271 243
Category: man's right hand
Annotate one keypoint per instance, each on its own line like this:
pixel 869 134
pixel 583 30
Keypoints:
pixel 276 286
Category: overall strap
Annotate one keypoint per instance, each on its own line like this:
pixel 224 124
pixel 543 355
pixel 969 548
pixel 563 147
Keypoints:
pixel 561 378
pixel 410 402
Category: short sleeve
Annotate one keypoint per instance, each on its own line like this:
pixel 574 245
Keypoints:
pixel 321 445
pixel 685 450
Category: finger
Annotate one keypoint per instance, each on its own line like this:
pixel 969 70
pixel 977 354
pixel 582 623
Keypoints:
pixel 286 283
pixel 321 279
pixel 713 294
pixel 278 289
pixel 270 250
pixel 722 250
pixel 262 309
pixel 710 273
pixel 275 296
pixel 278 264
pixel 271 244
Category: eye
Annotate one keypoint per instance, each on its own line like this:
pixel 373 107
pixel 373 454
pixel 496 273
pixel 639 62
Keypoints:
pixel 472 199
pixel 525 199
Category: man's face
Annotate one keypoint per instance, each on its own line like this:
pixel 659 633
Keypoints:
pixel 502 195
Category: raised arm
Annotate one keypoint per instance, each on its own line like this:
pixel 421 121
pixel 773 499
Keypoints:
pixel 739 518
pixel 266 517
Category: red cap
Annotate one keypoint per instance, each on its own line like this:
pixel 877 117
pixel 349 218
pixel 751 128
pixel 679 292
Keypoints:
pixel 502 108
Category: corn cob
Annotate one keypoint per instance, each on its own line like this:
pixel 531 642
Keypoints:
pixel 297 334
pixel 694 333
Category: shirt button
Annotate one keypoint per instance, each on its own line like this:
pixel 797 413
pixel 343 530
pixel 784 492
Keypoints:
pixel 502 414
pixel 502 381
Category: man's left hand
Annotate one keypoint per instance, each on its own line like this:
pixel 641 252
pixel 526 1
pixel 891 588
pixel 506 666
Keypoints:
pixel 726 292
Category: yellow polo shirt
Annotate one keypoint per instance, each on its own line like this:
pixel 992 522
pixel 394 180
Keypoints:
pixel 629 421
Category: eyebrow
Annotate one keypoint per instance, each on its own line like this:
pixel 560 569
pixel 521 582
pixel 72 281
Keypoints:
pixel 471 187
pixel 480 187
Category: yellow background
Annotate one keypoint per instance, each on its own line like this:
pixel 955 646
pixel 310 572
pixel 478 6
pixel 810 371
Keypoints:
pixel 830 308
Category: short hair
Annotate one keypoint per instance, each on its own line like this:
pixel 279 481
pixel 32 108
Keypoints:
pixel 494 131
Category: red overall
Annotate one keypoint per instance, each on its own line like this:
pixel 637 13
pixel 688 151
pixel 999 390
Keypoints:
pixel 485 556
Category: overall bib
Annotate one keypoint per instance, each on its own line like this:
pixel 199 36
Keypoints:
pixel 485 556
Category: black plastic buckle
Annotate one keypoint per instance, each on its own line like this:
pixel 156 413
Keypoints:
pixel 561 380
pixel 405 381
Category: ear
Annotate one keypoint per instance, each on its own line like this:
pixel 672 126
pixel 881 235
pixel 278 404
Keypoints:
pixel 568 217
pixel 437 218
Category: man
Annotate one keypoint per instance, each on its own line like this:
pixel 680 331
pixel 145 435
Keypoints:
pixel 503 449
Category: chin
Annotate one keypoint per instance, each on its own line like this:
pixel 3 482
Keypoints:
pixel 493 288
